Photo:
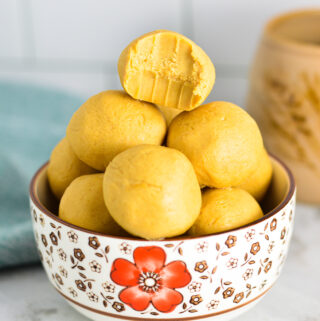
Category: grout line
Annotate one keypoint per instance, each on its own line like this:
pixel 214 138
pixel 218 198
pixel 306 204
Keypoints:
pixel 105 67
pixel 186 17
pixel 26 29
pixel 57 65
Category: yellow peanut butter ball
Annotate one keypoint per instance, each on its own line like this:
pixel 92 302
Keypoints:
pixel 225 209
pixel 166 68
pixel 152 191
pixel 64 167
pixel 111 122
pixel 82 205
pixel 257 184
pixel 169 113
pixel 221 140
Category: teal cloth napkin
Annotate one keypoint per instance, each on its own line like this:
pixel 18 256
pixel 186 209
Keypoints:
pixel 32 121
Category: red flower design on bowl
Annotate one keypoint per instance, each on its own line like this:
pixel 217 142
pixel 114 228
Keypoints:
pixel 149 281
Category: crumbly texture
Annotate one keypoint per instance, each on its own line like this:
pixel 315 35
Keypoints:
pixel 225 209
pixel 221 140
pixel 82 204
pixel 166 68
pixel 257 184
pixel 152 192
pixel 169 113
pixel 64 167
pixel 111 122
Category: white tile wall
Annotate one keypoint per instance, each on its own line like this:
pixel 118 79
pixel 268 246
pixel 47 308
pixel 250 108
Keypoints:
pixel 232 89
pixel 10 29
pixel 97 30
pixel 229 30
pixel 74 45
pixel 81 83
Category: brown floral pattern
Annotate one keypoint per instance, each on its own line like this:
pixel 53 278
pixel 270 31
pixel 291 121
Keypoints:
pixel 95 266
pixel 125 248
pixel 78 254
pixel 202 247
pixel 62 254
pixel 58 278
pixel 73 237
pixel 250 235
pixel 94 242
pixel 248 274
pixel 73 292
pixel 118 306
pixel 53 238
pixel 232 263
pixel 80 285
pixel 268 267
pixel 255 248
pixel 201 266
pixel 41 220
pixel 227 270
pixel 92 297
pixel 108 287
pixel 213 304
pixel 63 271
pixel 238 297
pixel 283 233
pixel 196 299
pixel 228 292
pixel 273 224
pixel 231 241
pixel 194 287
pixel 44 240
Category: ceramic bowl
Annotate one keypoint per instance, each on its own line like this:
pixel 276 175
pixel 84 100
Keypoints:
pixel 211 277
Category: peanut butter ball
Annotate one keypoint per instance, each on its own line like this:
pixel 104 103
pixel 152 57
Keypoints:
pixel 152 191
pixel 225 209
pixel 169 113
pixel 166 68
pixel 257 184
pixel 111 122
pixel 221 140
pixel 82 205
pixel 64 167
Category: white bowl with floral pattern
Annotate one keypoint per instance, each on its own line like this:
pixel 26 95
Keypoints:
pixel 211 277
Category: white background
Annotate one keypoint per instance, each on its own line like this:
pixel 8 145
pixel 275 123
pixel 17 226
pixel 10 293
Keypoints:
pixel 74 44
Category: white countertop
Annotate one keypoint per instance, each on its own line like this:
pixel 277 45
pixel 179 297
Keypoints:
pixel 26 295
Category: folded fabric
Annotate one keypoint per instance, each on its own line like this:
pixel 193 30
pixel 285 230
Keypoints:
pixel 32 121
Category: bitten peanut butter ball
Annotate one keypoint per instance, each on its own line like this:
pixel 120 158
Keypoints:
pixel 221 140
pixel 64 167
pixel 257 184
pixel 82 205
pixel 168 69
pixel 111 122
pixel 225 209
pixel 152 191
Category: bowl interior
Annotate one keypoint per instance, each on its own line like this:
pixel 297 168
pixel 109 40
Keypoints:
pixel 302 27
pixel 279 191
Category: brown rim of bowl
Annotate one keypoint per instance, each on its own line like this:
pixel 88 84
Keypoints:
pixel 286 43
pixel 279 207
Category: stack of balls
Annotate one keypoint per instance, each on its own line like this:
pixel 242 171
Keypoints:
pixel 151 161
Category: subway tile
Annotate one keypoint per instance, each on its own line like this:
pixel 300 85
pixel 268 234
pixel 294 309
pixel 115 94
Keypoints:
pixel 10 36
pixel 229 30
pixel 229 89
pixel 97 30
pixel 81 84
